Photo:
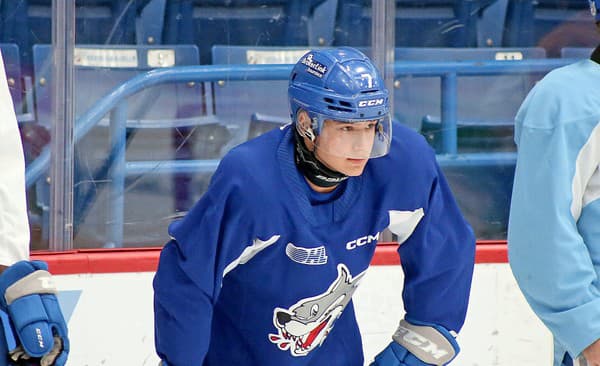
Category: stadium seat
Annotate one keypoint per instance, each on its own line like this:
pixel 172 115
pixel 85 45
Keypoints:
pixel 206 23
pixel 486 105
pixel 481 174
pixel 28 22
pixel 576 52
pixel 260 124
pixel 241 103
pixel 100 68
pixel 482 188
pixel 419 23
pixel 551 24
pixel 169 121
pixel 150 22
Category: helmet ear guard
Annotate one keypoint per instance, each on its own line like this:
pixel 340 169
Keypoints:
pixel 305 129
pixel 307 132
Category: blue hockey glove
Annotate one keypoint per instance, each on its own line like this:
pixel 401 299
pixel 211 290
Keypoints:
pixel 418 345
pixel 7 339
pixel 33 327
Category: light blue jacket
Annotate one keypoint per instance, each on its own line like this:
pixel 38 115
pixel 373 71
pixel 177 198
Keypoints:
pixel 554 226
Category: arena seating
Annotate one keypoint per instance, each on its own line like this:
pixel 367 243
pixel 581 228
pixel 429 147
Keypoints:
pixel 28 22
pixel 485 119
pixel 241 103
pixel 206 23
pixel 429 23
pixel 552 24
pixel 173 107
pixel 120 39
pixel 576 52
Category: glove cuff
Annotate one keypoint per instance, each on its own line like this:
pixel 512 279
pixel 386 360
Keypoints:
pixel 431 344
pixel 37 282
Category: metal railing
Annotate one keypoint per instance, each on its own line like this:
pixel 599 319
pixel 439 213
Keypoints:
pixel 116 103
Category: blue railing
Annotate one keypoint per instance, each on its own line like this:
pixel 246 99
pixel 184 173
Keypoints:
pixel 449 71
pixel 116 103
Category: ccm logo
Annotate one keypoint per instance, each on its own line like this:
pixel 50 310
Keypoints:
pixel 362 241
pixel 370 103
pixel 423 343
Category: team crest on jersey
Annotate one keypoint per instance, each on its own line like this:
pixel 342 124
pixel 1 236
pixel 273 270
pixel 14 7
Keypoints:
pixel 306 324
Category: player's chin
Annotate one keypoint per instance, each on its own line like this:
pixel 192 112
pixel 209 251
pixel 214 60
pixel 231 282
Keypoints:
pixel 354 167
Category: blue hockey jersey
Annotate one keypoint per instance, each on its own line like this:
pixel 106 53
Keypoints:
pixel 554 225
pixel 261 271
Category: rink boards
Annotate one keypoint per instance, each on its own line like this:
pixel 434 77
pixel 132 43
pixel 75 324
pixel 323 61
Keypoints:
pixel 107 298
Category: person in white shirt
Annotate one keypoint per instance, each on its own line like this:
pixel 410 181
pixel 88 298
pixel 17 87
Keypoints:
pixel 33 330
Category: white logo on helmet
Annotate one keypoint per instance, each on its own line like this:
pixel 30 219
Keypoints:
pixel 369 79
pixel 370 103
pixel 314 67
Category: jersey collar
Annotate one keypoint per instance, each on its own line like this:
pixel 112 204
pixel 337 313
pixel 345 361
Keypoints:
pixel 341 205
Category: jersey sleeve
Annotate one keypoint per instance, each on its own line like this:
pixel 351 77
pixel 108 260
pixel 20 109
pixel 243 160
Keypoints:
pixel 14 227
pixel 438 261
pixel 190 271
pixel 547 252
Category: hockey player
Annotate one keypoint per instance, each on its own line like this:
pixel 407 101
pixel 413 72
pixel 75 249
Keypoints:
pixel 554 225
pixel 262 270
pixel 32 329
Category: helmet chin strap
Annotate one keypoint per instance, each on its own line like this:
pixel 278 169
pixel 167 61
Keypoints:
pixel 315 171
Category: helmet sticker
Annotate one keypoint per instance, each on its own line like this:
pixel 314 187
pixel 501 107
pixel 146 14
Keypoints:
pixel 314 67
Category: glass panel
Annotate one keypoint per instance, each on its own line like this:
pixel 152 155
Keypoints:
pixel 469 111
pixel 128 199
pixel 143 158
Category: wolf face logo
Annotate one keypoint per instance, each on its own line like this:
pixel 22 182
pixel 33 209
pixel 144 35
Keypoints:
pixel 306 324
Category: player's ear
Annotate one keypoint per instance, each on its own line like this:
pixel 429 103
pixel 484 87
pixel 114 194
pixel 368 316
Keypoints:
pixel 304 127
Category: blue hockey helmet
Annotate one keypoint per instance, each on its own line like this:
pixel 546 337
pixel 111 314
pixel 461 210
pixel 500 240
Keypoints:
pixel 343 86
pixel 595 9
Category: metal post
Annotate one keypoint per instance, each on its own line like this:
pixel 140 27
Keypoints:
pixel 449 131
pixel 118 120
pixel 383 40
pixel 61 168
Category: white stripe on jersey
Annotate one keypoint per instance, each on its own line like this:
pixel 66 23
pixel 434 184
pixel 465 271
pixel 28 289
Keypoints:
pixel 403 223
pixel 586 181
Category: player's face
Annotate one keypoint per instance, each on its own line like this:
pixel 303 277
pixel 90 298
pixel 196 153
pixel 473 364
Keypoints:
pixel 346 147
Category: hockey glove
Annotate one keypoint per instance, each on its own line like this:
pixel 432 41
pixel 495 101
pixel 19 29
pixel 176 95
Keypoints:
pixel 418 345
pixel 28 296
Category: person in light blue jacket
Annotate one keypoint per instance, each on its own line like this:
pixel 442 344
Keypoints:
pixel 554 225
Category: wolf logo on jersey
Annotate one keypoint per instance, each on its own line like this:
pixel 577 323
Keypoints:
pixel 306 324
